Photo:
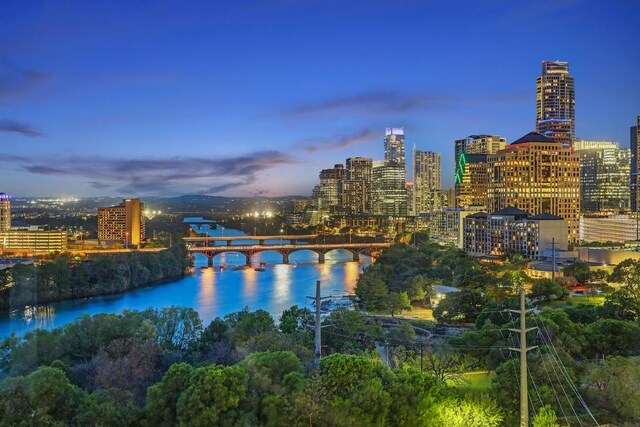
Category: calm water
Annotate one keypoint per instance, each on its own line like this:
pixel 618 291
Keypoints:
pixel 211 292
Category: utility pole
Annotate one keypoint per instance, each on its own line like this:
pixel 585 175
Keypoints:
pixel 553 259
pixel 318 300
pixel 524 403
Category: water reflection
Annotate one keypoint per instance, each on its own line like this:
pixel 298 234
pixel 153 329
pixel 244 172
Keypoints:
pixel 213 293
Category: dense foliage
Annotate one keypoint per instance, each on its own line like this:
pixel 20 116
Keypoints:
pixel 65 277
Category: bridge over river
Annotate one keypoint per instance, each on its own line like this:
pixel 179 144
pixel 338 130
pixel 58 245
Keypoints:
pixel 207 247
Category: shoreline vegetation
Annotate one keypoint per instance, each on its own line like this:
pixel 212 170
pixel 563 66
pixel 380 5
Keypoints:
pixel 66 278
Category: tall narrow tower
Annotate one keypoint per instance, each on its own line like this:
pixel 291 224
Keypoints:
pixel 5 212
pixel 555 102
pixel 634 140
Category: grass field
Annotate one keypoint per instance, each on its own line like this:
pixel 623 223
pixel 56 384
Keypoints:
pixel 575 300
pixel 417 313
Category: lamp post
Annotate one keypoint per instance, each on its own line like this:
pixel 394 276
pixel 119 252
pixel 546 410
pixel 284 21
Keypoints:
pixel 126 240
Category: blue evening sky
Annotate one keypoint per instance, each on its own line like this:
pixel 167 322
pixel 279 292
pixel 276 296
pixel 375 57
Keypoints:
pixel 255 97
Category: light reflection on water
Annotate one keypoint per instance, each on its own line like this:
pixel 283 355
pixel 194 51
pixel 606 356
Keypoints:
pixel 211 292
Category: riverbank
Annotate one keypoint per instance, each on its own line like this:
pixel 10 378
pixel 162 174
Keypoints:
pixel 65 278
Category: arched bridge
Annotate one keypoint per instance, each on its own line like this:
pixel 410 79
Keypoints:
pixel 199 246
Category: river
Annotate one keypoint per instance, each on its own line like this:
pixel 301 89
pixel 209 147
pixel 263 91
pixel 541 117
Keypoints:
pixel 212 293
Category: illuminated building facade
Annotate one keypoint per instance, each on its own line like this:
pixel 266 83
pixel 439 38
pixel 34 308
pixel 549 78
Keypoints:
pixel 389 192
pixel 394 148
pixel 427 181
pixel 5 212
pixel 33 241
pixel 537 175
pixel 604 177
pixel 471 175
pixel 356 187
pixel 512 230
pixel 555 102
pixel 616 228
pixel 123 223
pixel 328 190
pixel 634 144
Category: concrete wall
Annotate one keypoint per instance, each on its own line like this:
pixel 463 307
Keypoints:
pixel 606 256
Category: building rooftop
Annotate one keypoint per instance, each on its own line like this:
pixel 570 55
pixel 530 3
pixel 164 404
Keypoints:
pixel 511 211
pixel 546 215
pixel 532 137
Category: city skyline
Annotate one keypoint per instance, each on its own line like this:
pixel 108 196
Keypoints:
pixel 93 103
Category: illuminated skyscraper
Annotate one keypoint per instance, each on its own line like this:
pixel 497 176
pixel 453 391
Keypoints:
pixel 124 223
pixel 634 145
pixel 472 177
pixel 538 175
pixel 394 151
pixel 389 192
pixel 5 212
pixel 426 181
pixel 328 191
pixel 555 102
pixel 604 176
pixel 356 187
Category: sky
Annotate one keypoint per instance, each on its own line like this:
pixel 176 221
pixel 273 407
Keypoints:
pixel 248 98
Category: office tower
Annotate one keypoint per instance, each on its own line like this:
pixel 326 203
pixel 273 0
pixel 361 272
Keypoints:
pixel 5 212
pixel 411 198
pixel 538 175
pixel 33 241
pixel 356 188
pixel 472 177
pixel 426 181
pixel 389 192
pixel 604 176
pixel 635 152
pixel 122 223
pixel 394 152
pixel 555 102
pixel 328 191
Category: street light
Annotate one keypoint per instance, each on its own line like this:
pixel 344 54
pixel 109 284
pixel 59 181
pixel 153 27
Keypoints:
pixel 281 231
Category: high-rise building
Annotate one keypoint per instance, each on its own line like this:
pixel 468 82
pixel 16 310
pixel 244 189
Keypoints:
pixel 389 192
pixel 426 181
pixel 555 102
pixel 634 145
pixel 512 230
pixel 122 223
pixel 604 176
pixel 328 191
pixel 472 176
pixel 33 241
pixel 5 212
pixel 538 175
pixel 394 150
pixel 356 188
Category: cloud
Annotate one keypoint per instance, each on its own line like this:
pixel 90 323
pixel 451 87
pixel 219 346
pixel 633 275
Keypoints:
pixel 156 176
pixel 16 83
pixel 384 103
pixel 337 142
pixel 18 127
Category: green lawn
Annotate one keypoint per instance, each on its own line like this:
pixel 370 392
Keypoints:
pixel 417 313
pixel 575 300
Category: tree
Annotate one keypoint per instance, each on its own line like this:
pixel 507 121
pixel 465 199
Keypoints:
pixel 612 337
pixel 396 302
pixel 453 412
pixel 579 270
pixel 162 398
pixel 212 396
pixel 108 408
pixel 463 306
pixel 547 290
pixel 246 324
pixel 614 385
pixel 546 417
pixel 621 305
pixel 176 327
pixel 627 273
pixel 296 319
pixel 372 290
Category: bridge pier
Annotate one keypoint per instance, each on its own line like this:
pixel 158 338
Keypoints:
pixel 229 242
pixel 285 258
pixel 356 256
pixel 261 242
pixel 209 261
pixel 248 259
pixel 321 257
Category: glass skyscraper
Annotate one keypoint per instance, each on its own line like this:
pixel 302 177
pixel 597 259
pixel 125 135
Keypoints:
pixel 555 102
